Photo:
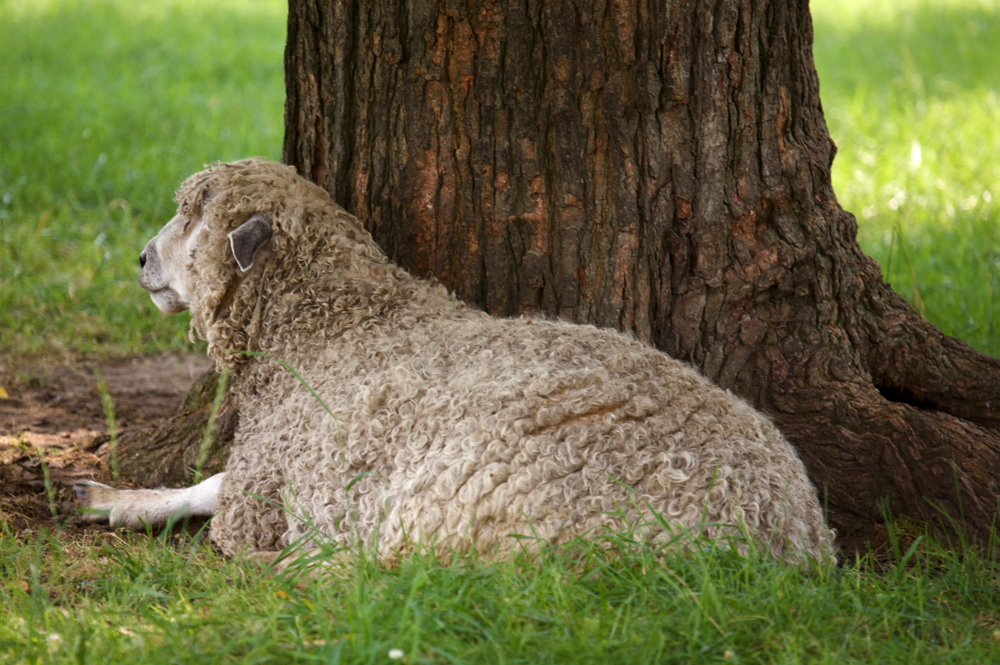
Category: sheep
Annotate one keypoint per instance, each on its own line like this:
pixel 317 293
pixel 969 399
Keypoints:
pixel 454 429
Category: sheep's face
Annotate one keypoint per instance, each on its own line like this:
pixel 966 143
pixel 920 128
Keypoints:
pixel 165 264
pixel 168 271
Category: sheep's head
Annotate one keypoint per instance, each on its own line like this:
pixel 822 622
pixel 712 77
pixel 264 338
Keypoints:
pixel 250 244
pixel 167 261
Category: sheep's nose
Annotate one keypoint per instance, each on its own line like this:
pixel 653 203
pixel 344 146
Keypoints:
pixel 142 259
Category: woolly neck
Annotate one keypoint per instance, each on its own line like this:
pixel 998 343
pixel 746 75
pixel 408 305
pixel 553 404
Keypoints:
pixel 323 273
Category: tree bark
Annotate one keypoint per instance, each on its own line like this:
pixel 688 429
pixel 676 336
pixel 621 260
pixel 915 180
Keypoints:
pixel 167 455
pixel 662 168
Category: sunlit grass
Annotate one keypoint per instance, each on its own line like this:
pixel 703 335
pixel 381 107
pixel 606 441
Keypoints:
pixel 107 105
pixel 911 93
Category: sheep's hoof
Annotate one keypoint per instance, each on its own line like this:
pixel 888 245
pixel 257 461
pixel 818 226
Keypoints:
pixel 95 500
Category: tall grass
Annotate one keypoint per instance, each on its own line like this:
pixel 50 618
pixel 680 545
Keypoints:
pixel 106 106
pixel 129 598
pixel 911 92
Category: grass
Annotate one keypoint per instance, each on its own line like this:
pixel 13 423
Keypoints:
pixel 107 106
pixel 131 598
pixel 911 93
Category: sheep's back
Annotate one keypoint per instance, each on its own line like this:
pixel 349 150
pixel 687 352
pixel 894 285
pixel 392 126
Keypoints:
pixel 465 430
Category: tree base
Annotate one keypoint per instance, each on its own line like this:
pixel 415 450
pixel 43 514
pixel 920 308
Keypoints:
pixel 167 455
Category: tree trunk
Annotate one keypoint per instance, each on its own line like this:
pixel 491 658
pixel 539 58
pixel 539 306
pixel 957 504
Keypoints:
pixel 662 168
pixel 167 455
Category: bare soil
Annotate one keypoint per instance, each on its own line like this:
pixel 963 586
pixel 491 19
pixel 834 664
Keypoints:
pixel 52 421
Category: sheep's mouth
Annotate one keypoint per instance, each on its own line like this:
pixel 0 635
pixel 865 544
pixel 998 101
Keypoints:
pixel 167 300
pixel 146 282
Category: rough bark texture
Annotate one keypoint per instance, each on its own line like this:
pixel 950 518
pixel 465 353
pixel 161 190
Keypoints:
pixel 662 168
pixel 167 455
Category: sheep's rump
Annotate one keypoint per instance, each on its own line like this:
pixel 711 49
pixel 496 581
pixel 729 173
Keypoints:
pixel 459 430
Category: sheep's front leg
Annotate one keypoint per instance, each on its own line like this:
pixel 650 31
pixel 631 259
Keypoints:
pixel 135 508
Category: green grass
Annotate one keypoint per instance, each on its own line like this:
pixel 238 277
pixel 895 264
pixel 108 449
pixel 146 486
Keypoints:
pixel 107 105
pixel 911 93
pixel 130 598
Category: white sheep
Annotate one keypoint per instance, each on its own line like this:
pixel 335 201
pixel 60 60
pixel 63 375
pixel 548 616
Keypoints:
pixel 455 430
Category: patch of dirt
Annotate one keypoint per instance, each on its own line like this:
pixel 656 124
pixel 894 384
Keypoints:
pixel 52 421
pixel 56 400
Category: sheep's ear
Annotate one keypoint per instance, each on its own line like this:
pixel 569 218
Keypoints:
pixel 248 238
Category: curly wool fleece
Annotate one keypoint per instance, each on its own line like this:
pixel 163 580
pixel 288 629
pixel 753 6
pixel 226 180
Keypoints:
pixel 456 429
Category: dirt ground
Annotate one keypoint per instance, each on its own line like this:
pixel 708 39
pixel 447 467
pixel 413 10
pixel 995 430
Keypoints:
pixel 52 420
